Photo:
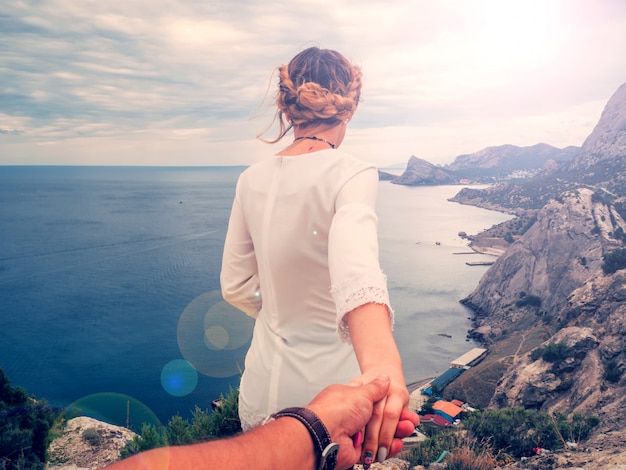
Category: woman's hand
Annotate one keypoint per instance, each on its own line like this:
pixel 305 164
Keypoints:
pixel 377 353
pixel 387 419
pixel 346 411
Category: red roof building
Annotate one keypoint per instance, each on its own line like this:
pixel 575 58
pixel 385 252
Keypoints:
pixel 448 410
pixel 434 419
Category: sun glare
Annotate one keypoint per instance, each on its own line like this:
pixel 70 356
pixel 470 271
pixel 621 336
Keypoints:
pixel 518 33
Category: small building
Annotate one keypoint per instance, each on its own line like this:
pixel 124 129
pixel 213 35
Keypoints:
pixel 440 382
pixel 447 410
pixel 470 358
pixel 434 419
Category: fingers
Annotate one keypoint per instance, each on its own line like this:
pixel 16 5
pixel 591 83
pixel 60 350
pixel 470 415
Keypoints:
pixel 410 416
pixel 346 411
pixel 377 389
pixel 390 423
pixel 396 446
pixel 391 416
pixel 405 428
pixel 371 446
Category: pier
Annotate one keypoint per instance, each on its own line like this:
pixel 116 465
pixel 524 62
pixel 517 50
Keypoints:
pixel 479 263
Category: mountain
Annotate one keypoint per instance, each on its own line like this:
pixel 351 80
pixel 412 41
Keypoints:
pixel 608 139
pixel 601 163
pixel 549 291
pixel 552 308
pixel 509 160
pixel 505 162
pixel 419 172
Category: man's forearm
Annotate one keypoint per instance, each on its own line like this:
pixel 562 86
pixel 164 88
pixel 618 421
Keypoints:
pixel 284 443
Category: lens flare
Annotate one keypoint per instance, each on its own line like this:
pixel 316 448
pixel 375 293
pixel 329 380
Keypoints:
pixel 113 408
pixel 179 378
pixel 214 336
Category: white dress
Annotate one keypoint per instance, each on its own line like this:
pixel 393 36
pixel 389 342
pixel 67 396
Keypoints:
pixel 301 251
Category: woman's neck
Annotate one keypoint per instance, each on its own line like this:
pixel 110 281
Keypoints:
pixel 313 139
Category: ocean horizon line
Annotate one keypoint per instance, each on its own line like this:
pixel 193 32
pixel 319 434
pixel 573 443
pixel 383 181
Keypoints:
pixel 117 166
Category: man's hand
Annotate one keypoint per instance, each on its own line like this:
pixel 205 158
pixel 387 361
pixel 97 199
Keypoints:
pixel 346 410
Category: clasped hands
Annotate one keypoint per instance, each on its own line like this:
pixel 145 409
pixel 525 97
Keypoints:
pixel 358 417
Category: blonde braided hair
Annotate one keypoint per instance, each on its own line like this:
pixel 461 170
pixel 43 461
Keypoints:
pixel 318 86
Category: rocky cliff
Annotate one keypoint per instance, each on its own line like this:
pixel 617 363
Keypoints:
pixel 601 163
pixel 608 139
pixel 87 444
pixel 420 173
pixel 549 292
pixel 502 162
pixel 505 160
pixel 562 251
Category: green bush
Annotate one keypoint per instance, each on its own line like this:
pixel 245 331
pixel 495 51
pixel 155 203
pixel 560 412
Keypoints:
pixel 429 450
pixel 427 406
pixel 517 431
pixel 614 261
pixel 92 436
pixel 24 426
pixel 148 438
pixel 222 421
pixel 553 352
pixel 619 234
pixel 612 372
pixel 178 431
pixel 455 450
pixel 532 300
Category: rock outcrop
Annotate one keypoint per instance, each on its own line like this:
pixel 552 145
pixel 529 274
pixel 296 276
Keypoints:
pixel 561 252
pixel 87 444
pixel 608 139
pixel 422 173
pixel 550 288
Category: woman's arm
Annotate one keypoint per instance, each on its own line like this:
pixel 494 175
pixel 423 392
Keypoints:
pixel 239 276
pixel 377 353
pixel 363 308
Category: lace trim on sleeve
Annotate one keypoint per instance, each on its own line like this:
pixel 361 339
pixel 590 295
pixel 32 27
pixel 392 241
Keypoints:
pixel 252 420
pixel 356 293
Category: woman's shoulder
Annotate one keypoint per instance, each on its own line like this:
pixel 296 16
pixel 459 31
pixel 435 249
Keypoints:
pixel 347 165
pixel 349 157
pixel 335 164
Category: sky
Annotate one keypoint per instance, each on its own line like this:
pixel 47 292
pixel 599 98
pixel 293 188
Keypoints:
pixel 191 82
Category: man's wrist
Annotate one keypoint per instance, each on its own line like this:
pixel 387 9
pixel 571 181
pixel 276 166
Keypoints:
pixel 325 450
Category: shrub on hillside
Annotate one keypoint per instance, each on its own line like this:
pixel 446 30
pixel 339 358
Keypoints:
pixel 553 352
pixel 24 426
pixel 455 450
pixel 204 426
pixel 517 431
pixel 613 371
pixel 532 300
pixel 614 261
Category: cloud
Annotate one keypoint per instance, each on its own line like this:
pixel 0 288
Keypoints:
pixel 126 74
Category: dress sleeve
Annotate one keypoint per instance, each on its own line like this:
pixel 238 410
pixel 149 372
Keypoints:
pixel 239 276
pixel 355 274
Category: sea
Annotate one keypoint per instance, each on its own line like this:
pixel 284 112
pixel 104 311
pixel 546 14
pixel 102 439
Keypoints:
pixel 110 301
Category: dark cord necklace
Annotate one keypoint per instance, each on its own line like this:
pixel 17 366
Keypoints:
pixel 313 137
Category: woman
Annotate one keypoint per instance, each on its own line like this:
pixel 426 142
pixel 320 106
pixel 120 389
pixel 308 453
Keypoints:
pixel 301 256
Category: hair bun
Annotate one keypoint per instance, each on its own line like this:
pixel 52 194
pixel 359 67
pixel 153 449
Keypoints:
pixel 319 86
